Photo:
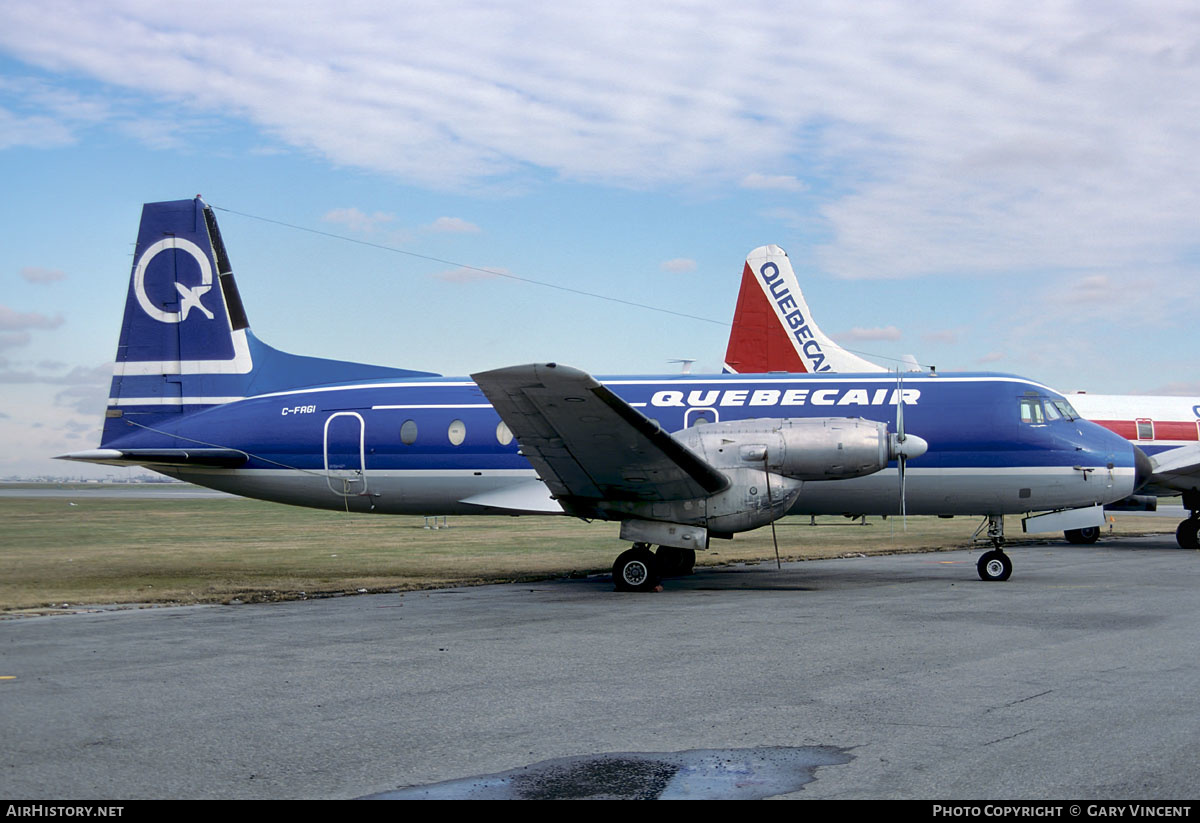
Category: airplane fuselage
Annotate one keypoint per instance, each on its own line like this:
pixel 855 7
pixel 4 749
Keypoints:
pixel 436 446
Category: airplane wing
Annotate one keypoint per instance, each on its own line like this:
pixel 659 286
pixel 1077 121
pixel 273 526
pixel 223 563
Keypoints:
pixel 590 445
pixel 1176 469
pixel 219 458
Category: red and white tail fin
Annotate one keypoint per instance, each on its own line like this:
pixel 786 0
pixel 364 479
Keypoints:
pixel 773 329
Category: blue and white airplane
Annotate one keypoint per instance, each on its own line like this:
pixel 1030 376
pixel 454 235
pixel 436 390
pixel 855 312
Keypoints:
pixel 678 460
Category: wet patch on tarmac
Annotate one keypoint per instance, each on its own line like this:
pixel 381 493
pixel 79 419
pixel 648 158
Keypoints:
pixel 697 774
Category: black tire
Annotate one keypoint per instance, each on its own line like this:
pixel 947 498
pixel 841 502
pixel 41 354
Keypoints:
pixel 994 566
pixel 674 562
pixel 1080 536
pixel 635 570
pixel 1188 534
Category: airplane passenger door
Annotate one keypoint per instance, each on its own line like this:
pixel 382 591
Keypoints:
pixel 345 453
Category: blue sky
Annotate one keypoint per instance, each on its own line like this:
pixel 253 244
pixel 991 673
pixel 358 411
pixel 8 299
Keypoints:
pixel 984 192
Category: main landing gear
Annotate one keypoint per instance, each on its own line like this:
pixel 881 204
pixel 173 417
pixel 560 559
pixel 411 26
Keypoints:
pixel 995 565
pixel 1080 536
pixel 636 570
pixel 1188 533
pixel 640 570
pixel 673 562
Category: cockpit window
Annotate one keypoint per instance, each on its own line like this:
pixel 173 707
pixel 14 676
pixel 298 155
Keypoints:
pixel 1031 411
pixel 1037 410
pixel 1066 409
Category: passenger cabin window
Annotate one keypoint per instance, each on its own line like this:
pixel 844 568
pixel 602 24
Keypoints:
pixel 504 435
pixel 408 432
pixel 457 432
pixel 1145 429
pixel 699 417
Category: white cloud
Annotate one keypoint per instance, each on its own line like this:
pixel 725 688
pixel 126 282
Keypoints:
pixel 878 333
pixel 356 220
pixel 934 137
pixel 782 182
pixel 1096 288
pixel 77 376
pixel 36 131
pixel 37 274
pixel 11 320
pixel 943 336
pixel 678 265
pixel 14 339
pixel 86 399
pixel 453 225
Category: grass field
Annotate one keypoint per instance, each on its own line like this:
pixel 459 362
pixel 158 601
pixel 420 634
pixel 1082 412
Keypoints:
pixel 91 550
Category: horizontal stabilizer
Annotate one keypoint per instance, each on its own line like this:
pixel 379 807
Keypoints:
pixel 217 458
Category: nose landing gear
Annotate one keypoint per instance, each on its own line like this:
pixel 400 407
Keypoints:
pixel 995 565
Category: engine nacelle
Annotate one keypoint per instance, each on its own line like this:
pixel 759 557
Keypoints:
pixel 821 448
pixel 767 461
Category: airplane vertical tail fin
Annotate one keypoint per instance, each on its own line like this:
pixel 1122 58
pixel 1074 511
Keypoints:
pixel 185 340
pixel 773 329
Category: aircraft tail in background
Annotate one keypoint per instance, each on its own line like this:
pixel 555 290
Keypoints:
pixel 773 329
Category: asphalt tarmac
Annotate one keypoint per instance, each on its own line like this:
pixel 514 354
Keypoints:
pixel 882 677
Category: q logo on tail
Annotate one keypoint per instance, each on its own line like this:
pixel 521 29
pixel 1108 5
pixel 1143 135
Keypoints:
pixel 190 295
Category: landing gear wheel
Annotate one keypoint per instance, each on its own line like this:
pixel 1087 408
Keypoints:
pixel 994 566
pixel 1188 534
pixel 635 570
pixel 1089 535
pixel 674 562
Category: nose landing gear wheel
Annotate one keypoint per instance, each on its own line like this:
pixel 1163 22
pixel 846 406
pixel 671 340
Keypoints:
pixel 994 566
